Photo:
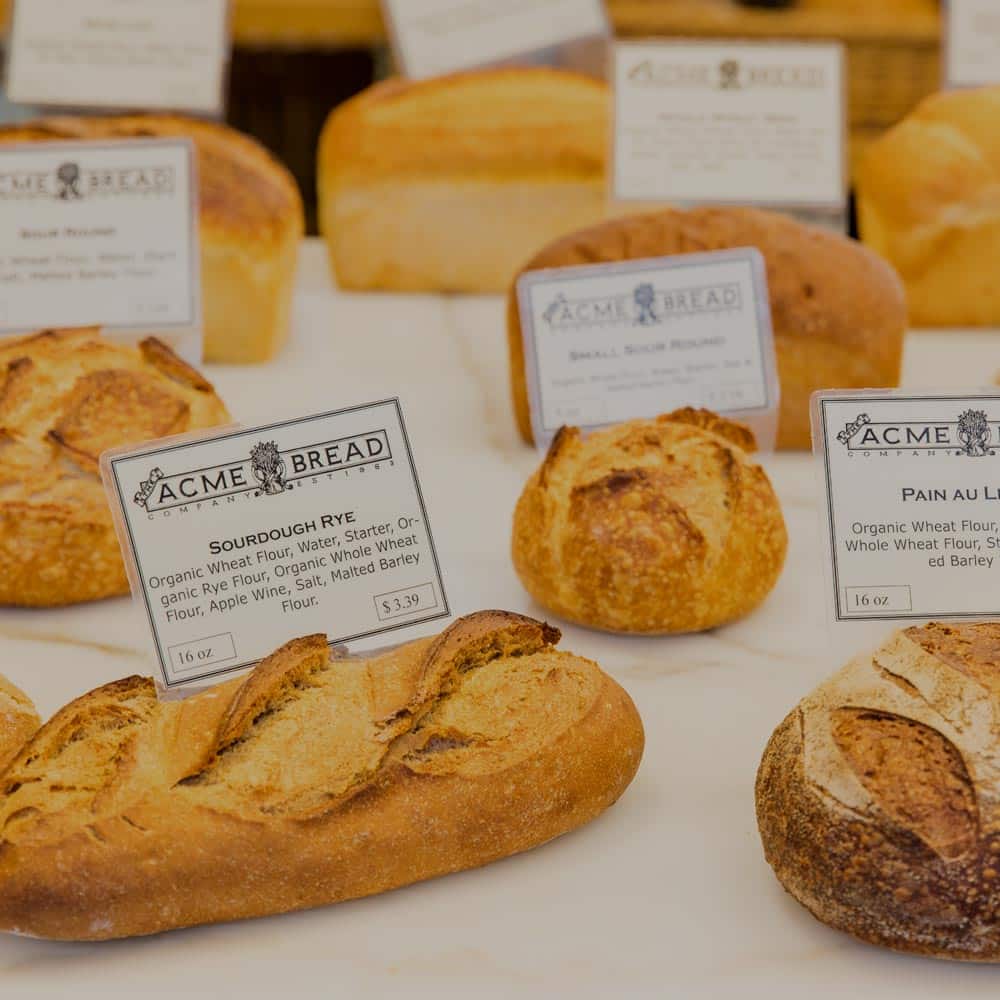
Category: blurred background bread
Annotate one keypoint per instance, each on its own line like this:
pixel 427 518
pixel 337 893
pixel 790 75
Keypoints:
pixel 877 797
pixel 66 396
pixel 839 311
pixel 653 526
pixel 251 224
pixel 18 721
pixel 311 781
pixel 938 218
pixel 450 184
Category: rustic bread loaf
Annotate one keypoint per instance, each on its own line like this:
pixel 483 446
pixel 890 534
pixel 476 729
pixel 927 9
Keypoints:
pixel 450 184
pixel 877 797
pixel 839 311
pixel 938 220
pixel 18 721
pixel 313 780
pixel 66 396
pixel 252 222
pixel 653 526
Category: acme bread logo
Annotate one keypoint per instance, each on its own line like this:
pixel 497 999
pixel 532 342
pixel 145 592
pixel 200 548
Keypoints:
pixel 267 472
pixel 972 435
pixel 727 74
pixel 72 182
pixel 645 305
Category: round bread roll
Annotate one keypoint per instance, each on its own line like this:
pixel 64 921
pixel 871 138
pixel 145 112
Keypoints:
pixel 66 396
pixel 653 526
pixel 839 311
pixel 877 798
pixel 18 721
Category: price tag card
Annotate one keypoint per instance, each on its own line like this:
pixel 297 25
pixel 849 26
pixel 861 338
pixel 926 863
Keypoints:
pixel 913 503
pixel 100 235
pixel 165 54
pixel 237 543
pixel 972 43
pixel 604 343
pixel 434 37
pixel 729 122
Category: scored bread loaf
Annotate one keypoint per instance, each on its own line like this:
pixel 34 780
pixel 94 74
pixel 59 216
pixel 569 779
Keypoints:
pixel 839 311
pixel 938 219
pixel 877 797
pixel 66 396
pixel 311 781
pixel 450 184
pixel 18 721
pixel 251 224
pixel 653 526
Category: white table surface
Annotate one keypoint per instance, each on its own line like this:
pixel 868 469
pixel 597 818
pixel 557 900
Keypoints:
pixel 668 893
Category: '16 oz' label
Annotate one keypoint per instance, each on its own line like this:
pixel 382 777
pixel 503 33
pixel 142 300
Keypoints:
pixel 913 498
pixel 243 541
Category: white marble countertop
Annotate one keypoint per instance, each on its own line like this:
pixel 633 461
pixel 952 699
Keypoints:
pixel 668 893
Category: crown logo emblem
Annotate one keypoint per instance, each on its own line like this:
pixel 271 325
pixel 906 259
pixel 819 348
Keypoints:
pixel 147 486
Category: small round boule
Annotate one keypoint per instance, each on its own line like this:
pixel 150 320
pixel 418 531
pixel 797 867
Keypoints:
pixel 651 527
pixel 877 796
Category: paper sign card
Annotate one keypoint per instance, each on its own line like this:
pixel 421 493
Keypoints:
pixel 972 43
pixel 434 37
pixel 164 54
pixel 730 122
pixel 605 343
pixel 100 234
pixel 913 503
pixel 239 542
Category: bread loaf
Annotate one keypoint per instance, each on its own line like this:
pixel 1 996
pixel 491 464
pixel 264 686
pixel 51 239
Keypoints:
pixel 252 222
pixel 877 797
pixel 66 396
pixel 839 311
pixel 929 202
pixel 653 526
pixel 18 721
pixel 313 780
pixel 450 184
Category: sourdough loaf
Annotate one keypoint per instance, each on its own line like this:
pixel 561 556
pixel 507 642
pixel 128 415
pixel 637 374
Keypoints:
pixel 877 797
pixel 313 780
pixel 18 721
pixel 938 219
pixel 252 221
pixel 66 396
pixel 653 526
pixel 450 184
pixel 839 312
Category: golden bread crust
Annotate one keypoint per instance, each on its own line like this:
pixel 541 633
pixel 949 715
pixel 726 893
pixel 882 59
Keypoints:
pixel 938 221
pixel 876 797
pixel 66 396
pixel 839 311
pixel 651 527
pixel 310 782
pixel 18 721
pixel 497 122
pixel 450 184
pixel 251 222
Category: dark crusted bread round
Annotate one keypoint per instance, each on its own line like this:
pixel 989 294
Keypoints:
pixel 878 798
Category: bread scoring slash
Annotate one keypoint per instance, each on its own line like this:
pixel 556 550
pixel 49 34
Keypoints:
pixel 311 781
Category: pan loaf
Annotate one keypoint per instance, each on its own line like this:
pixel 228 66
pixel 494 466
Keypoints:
pixel 653 526
pixel 252 222
pixel 311 781
pixel 929 202
pixel 877 797
pixel 66 396
pixel 839 311
pixel 450 184
pixel 18 721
